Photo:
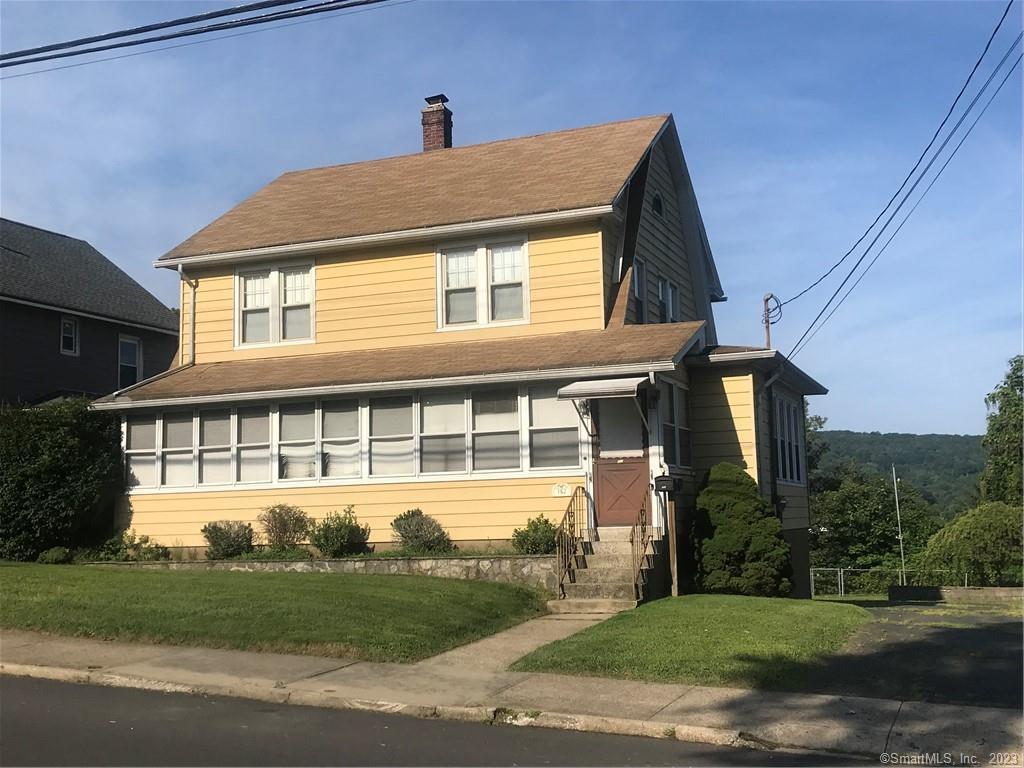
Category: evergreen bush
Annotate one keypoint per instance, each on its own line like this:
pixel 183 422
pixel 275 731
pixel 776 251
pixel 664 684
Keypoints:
pixel 284 526
pixel 227 539
pixel 537 538
pixel 416 532
pixel 341 534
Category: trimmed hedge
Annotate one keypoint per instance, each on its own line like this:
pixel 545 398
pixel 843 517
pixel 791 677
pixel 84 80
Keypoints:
pixel 60 474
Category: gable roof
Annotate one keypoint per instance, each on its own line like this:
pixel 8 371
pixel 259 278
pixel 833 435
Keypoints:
pixel 556 355
pixel 49 268
pixel 560 171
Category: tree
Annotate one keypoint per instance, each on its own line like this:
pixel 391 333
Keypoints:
pixel 983 543
pixel 1004 437
pixel 815 448
pixel 740 549
pixel 60 471
pixel 855 524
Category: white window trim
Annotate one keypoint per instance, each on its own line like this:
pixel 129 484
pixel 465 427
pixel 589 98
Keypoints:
pixel 139 376
pixel 781 402
pixel 524 470
pixel 77 337
pixel 673 302
pixel 276 304
pixel 533 430
pixel 483 282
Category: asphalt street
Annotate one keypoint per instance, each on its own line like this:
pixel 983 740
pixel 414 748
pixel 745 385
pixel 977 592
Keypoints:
pixel 49 723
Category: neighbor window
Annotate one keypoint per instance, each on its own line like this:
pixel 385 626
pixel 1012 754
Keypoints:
pixel 675 425
pixel 483 283
pixel 274 305
pixel 554 430
pixel 129 361
pixel 69 336
pixel 639 291
pixel 789 440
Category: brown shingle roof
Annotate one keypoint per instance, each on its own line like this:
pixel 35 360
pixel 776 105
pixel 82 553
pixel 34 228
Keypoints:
pixel 630 344
pixel 558 171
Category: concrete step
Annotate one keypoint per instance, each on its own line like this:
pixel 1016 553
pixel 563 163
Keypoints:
pixel 593 574
pixel 590 606
pixel 610 561
pixel 612 547
pixel 589 591
pixel 614 532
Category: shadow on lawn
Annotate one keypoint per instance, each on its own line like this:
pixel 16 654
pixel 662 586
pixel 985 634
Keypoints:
pixel 978 665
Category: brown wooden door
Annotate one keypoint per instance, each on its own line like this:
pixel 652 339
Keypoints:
pixel 621 487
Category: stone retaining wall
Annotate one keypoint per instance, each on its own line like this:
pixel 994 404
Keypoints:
pixel 956 594
pixel 537 571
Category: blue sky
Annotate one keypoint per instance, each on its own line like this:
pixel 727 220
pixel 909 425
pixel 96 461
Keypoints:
pixel 798 121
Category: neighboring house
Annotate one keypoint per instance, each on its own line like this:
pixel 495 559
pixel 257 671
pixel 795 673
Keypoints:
pixel 474 331
pixel 73 323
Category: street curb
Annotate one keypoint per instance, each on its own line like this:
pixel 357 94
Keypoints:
pixel 695 734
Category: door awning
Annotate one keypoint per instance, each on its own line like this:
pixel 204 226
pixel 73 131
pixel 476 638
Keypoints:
pixel 598 389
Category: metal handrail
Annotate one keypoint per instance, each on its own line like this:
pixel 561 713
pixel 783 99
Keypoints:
pixel 569 537
pixel 639 538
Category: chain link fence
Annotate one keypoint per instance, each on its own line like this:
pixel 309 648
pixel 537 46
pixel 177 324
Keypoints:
pixel 867 581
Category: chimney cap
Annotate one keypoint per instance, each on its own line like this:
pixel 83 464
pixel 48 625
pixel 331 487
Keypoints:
pixel 439 98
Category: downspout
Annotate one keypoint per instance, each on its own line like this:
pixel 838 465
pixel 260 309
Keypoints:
pixel 193 284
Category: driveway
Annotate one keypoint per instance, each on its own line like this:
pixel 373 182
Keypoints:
pixel 943 653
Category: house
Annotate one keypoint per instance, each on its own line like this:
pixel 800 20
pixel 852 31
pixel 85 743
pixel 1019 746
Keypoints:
pixel 72 322
pixel 488 333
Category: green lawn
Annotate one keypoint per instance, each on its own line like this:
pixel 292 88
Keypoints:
pixel 378 618
pixel 726 640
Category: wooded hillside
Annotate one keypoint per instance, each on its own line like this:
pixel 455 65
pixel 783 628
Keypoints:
pixel 944 468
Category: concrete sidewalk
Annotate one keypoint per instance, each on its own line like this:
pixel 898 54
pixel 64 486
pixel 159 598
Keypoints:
pixel 472 682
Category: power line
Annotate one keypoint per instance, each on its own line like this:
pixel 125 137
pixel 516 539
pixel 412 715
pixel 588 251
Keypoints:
pixel 197 42
pixel 896 210
pixel 938 130
pixel 306 10
pixel 923 195
pixel 237 10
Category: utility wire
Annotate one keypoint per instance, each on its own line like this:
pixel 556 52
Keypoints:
pixel 237 10
pixel 920 178
pixel 922 197
pixel 306 10
pixel 196 42
pixel 924 152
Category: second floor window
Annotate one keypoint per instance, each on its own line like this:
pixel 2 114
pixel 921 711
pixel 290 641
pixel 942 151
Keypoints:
pixel 274 305
pixel 69 336
pixel 668 301
pixel 129 361
pixel 482 284
pixel 789 441
pixel 640 291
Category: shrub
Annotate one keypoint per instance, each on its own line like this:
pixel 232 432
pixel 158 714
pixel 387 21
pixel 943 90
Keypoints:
pixel 55 556
pixel 340 534
pixel 227 539
pixel 124 547
pixel 537 538
pixel 284 526
pixel 984 543
pixel 416 532
pixel 60 473
pixel 740 549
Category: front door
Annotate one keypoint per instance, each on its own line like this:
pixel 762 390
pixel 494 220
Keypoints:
pixel 621 469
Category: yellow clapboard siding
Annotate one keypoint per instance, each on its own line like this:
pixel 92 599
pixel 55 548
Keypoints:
pixel 386 297
pixel 469 509
pixel 722 419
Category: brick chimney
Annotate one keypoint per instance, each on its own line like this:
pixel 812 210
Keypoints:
pixel 437 123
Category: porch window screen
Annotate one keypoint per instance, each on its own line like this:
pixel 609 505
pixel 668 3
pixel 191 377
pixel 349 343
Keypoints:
pixel 140 451
pixel 443 432
pixel 253 445
pixel 214 447
pixel 340 431
pixel 177 467
pixel 496 429
pixel 506 282
pixel 391 436
pixel 554 430
pixel 296 455
pixel 460 286
pixel 789 440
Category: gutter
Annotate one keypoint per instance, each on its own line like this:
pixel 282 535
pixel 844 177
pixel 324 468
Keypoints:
pixel 398 236
pixel 638 369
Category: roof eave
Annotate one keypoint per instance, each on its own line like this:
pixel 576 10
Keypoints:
pixel 390 238
pixel 765 360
